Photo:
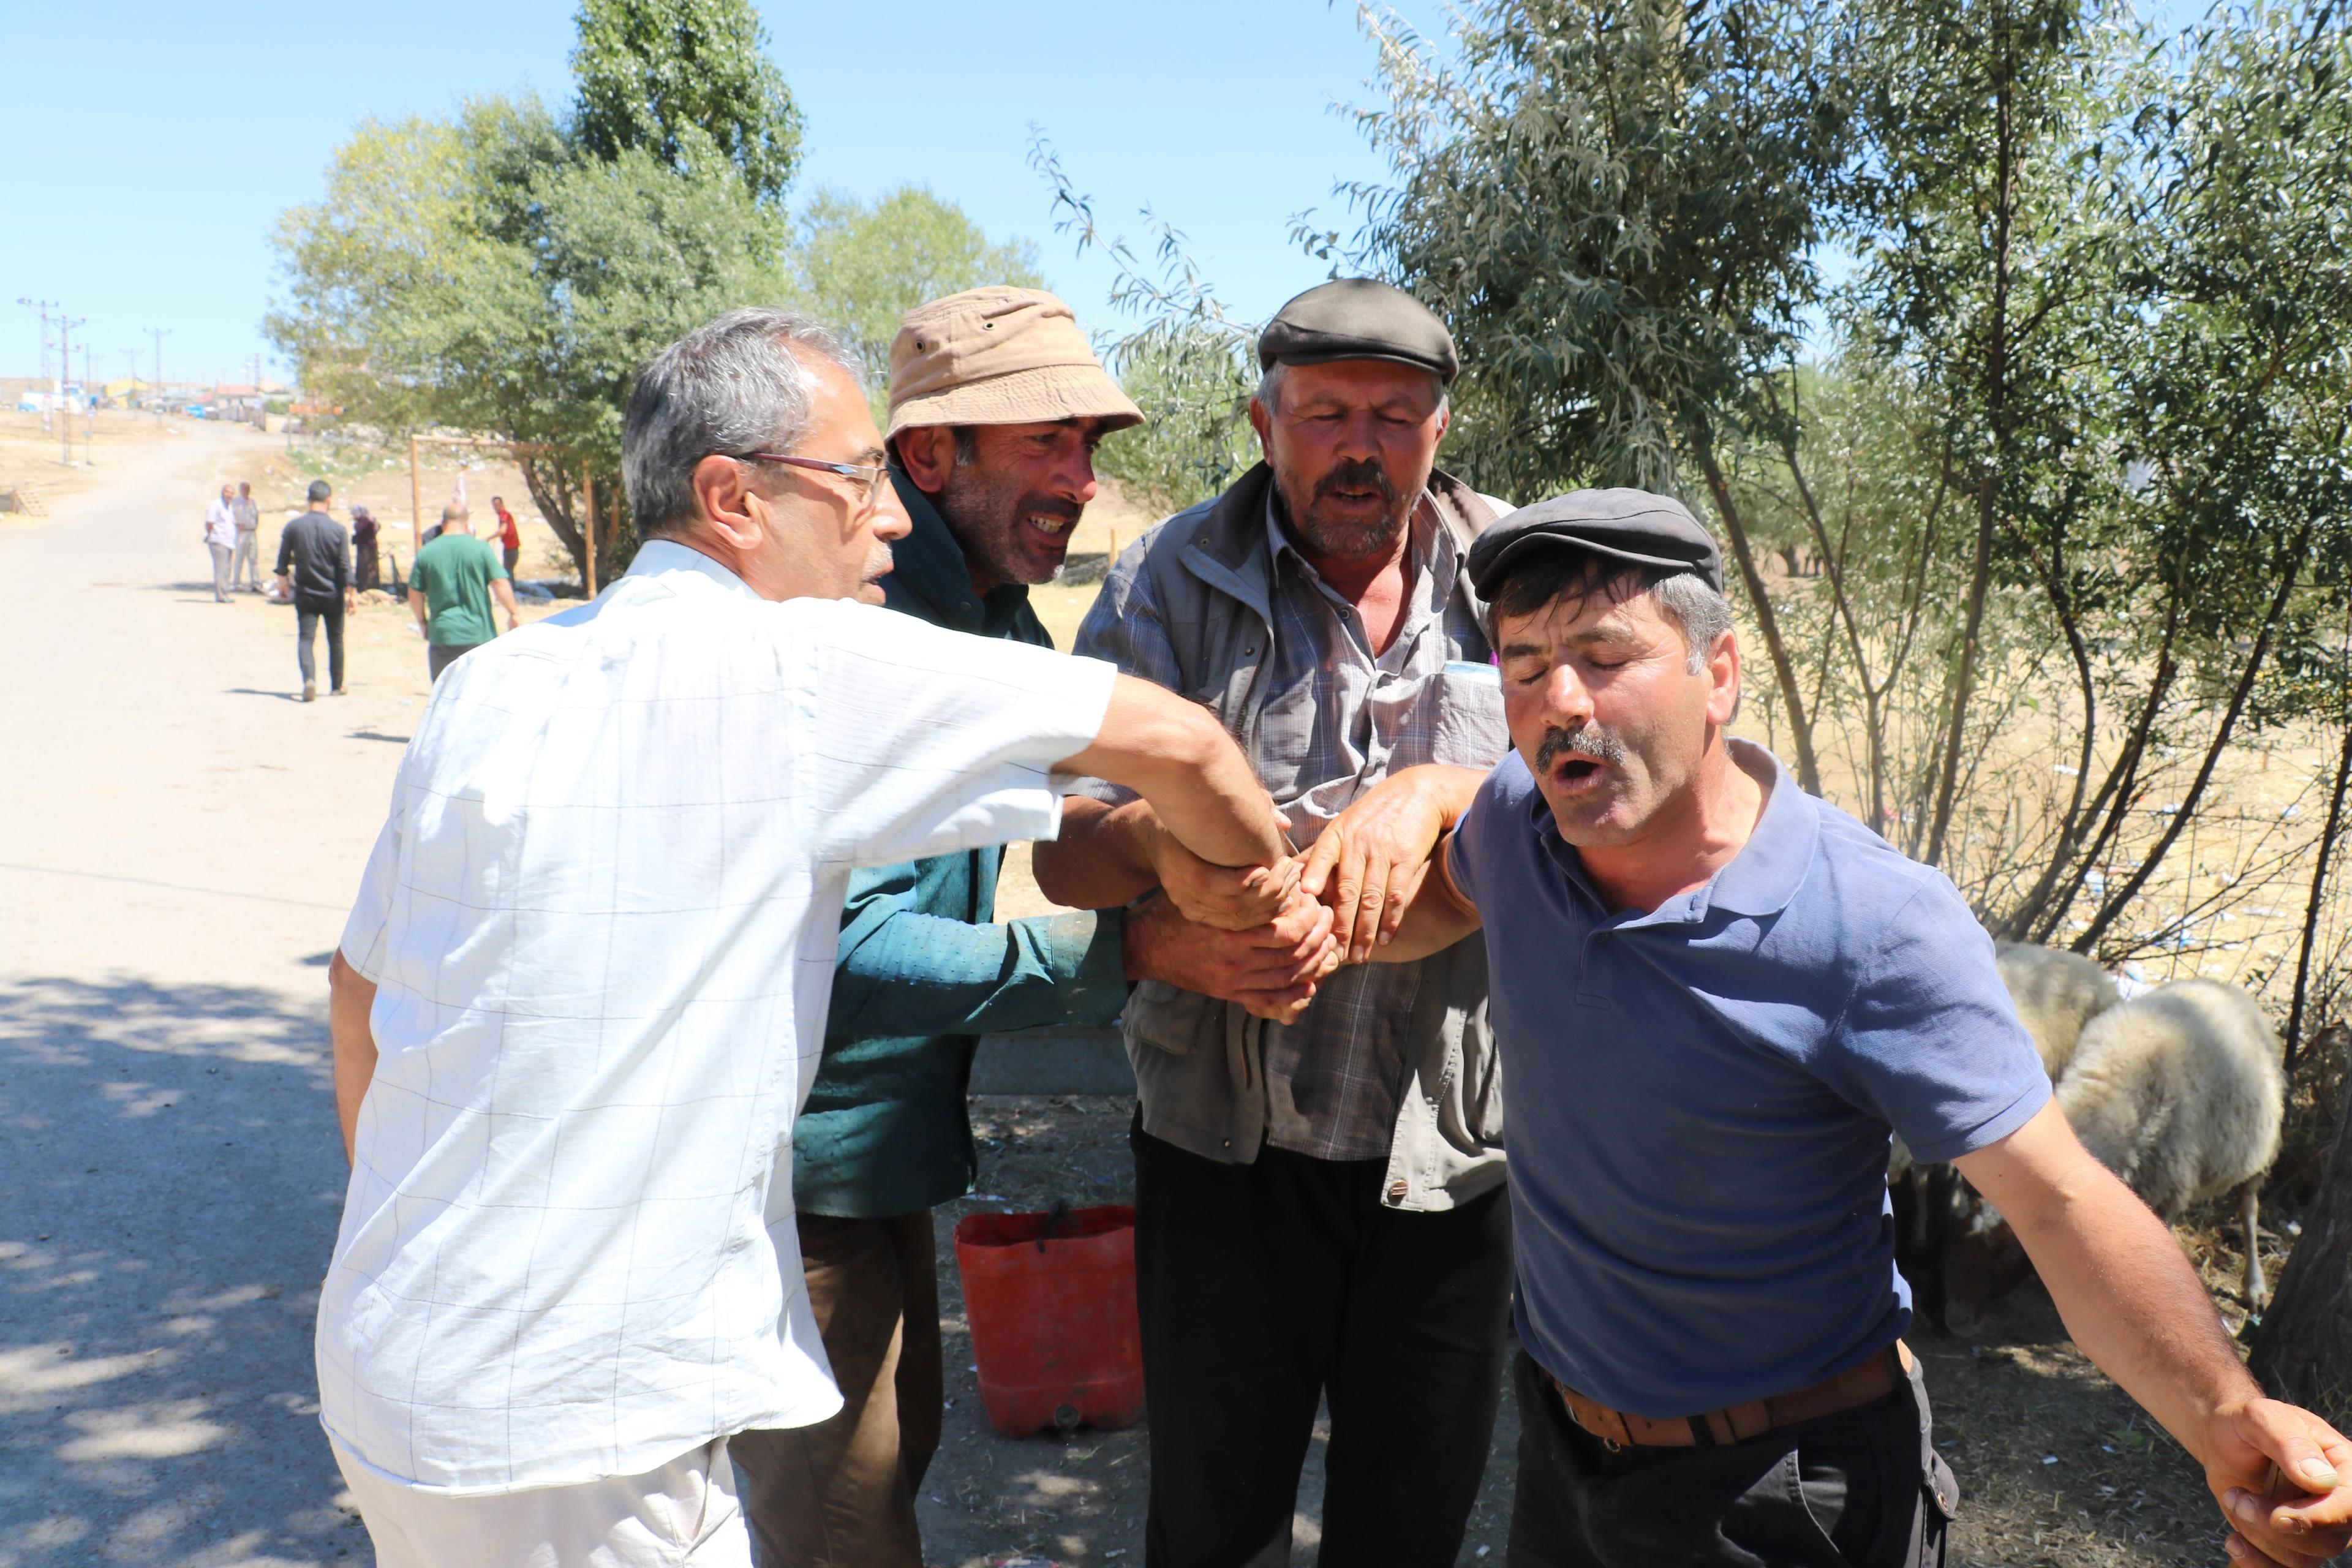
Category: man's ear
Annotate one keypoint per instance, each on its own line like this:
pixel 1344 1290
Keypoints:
pixel 1723 673
pixel 927 453
pixel 1261 421
pixel 722 494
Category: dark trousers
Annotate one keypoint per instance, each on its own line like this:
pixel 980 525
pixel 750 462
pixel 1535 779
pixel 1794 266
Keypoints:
pixel 841 1494
pixel 307 618
pixel 438 658
pixel 1265 1286
pixel 1863 1488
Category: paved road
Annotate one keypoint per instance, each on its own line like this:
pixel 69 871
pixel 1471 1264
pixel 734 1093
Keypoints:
pixel 179 838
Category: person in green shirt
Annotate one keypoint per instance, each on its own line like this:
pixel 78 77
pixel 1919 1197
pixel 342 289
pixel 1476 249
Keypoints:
pixel 451 586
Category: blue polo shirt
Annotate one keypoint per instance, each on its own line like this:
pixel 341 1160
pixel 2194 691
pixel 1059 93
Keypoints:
pixel 1701 1094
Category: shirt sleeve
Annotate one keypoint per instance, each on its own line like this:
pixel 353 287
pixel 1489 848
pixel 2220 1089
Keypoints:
pixel 1125 629
pixel 1477 836
pixel 285 548
pixel 1930 1039
pixel 902 972
pixel 362 941
pixel 948 741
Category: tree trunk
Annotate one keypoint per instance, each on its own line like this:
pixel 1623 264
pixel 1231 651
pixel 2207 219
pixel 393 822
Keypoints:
pixel 2304 1355
pixel 1784 671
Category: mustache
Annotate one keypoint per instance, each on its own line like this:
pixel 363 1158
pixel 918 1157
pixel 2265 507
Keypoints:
pixel 1590 740
pixel 1355 474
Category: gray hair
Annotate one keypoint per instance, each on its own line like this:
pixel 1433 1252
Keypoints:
pixel 741 383
pixel 1698 612
pixel 1269 388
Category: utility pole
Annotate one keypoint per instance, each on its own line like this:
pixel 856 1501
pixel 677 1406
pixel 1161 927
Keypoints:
pixel 64 368
pixel 90 412
pixel 44 307
pixel 159 334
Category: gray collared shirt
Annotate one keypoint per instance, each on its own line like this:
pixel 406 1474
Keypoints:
pixel 1338 719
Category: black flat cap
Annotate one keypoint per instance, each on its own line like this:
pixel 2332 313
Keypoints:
pixel 1358 317
pixel 1632 526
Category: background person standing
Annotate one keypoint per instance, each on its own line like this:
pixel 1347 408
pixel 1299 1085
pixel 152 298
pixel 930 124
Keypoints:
pixel 220 538
pixel 316 559
pixel 450 587
pixel 509 536
pixel 246 568
pixel 363 555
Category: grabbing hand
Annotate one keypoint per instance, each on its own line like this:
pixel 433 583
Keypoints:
pixel 1228 897
pixel 1369 862
pixel 1271 970
pixel 2284 1479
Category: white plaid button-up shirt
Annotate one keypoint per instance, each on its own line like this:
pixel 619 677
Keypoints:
pixel 601 920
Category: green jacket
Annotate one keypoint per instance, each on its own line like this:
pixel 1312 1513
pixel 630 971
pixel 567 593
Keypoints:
pixel 922 972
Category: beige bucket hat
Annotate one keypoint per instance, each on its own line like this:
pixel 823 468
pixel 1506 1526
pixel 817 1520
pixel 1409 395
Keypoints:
pixel 999 355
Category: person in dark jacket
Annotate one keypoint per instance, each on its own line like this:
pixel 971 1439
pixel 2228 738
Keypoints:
pixel 996 403
pixel 363 549
pixel 316 556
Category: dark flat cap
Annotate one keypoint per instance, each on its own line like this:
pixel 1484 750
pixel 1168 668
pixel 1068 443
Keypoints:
pixel 1632 526
pixel 1358 317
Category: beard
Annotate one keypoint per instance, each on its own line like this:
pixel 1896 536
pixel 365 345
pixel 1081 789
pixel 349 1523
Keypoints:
pixel 1330 534
pixel 1010 535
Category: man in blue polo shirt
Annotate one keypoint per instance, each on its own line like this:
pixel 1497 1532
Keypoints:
pixel 1715 996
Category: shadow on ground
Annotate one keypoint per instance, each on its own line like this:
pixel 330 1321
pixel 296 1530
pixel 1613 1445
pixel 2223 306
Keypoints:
pixel 170 1181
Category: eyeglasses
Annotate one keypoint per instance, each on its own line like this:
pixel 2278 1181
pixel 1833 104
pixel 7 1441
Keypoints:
pixel 873 477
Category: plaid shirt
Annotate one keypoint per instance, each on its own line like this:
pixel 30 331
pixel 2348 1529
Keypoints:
pixel 1338 719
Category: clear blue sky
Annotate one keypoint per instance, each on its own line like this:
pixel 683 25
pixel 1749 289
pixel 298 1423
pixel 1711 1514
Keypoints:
pixel 151 146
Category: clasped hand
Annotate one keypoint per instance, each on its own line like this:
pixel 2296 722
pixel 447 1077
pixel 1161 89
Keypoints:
pixel 1265 937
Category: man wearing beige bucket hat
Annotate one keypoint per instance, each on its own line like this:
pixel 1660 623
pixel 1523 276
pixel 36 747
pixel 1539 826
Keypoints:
pixel 996 403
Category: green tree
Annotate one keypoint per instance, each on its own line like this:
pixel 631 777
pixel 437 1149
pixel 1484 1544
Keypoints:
pixel 1617 205
pixel 680 79
pixel 863 264
pixel 508 273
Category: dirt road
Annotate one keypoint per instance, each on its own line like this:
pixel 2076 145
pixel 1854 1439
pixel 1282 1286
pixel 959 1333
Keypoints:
pixel 180 840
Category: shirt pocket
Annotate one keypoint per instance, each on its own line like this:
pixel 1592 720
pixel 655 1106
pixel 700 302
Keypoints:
pixel 1466 721
pixel 1162 1015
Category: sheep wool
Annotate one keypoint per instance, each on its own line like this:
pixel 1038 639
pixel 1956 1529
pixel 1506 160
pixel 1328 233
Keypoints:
pixel 2180 1092
pixel 2057 992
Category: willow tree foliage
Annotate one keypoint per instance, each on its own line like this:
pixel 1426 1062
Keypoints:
pixel 2036 504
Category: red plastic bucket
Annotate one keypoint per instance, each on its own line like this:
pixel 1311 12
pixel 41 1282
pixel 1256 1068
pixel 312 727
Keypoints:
pixel 1053 1316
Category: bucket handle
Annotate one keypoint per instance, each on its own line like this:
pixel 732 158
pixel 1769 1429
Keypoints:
pixel 1054 1218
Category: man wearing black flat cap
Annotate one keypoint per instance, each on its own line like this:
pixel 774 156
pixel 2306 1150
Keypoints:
pixel 1716 998
pixel 1319 1155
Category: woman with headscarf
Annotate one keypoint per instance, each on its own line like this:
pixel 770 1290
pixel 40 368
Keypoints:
pixel 364 546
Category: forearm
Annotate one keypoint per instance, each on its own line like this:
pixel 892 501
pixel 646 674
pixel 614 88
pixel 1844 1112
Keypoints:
pixel 2127 1294
pixel 1178 757
pixel 915 973
pixel 416 608
pixel 351 998
pixel 504 594
pixel 1102 858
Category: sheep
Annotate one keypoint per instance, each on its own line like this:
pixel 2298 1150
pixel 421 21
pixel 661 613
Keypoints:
pixel 2057 992
pixel 2181 1093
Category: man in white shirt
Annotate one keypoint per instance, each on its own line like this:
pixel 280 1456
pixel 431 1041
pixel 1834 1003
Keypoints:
pixel 220 538
pixel 581 993
pixel 245 571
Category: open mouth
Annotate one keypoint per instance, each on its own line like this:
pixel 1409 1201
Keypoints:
pixel 1058 529
pixel 1575 775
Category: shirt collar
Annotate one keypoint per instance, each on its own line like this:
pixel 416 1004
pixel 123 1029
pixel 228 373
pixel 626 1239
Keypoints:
pixel 930 577
pixel 1760 880
pixel 667 558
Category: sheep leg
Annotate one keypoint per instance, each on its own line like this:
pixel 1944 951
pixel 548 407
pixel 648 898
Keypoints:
pixel 2257 1291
